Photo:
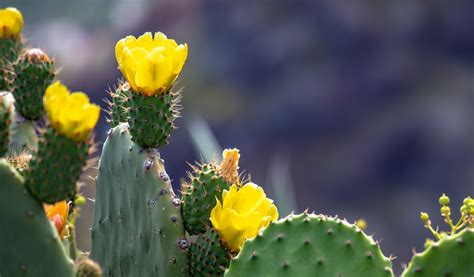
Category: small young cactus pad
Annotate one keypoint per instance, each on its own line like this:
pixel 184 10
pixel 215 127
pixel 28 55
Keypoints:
pixel 151 118
pixel 56 167
pixel 137 228
pixel 199 197
pixel 30 245
pixel 34 71
pixel 451 256
pixel 310 245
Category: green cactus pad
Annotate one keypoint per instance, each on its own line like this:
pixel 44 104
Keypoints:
pixel 199 197
pixel 56 167
pixel 34 72
pixel 6 115
pixel 137 228
pixel 451 256
pixel 30 245
pixel 118 105
pixel 208 256
pixel 310 245
pixel 151 118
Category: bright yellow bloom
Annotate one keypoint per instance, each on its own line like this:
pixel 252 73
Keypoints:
pixel 58 214
pixel 11 23
pixel 242 214
pixel 150 64
pixel 70 114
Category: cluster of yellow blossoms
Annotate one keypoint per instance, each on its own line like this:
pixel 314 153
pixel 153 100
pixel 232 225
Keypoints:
pixel 70 114
pixel 11 23
pixel 151 64
pixel 242 214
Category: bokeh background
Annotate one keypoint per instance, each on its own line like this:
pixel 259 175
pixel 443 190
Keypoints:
pixel 362 109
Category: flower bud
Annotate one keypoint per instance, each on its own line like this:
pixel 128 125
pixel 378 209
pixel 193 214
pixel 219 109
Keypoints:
pixel 444 200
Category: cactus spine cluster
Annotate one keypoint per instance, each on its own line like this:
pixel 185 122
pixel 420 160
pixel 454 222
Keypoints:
pixel 218 227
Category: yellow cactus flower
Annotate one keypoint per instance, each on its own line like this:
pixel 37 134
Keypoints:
pixel 70 114
pixel 11 23
pixel 57 214
pixel 150 64
pixel 241 215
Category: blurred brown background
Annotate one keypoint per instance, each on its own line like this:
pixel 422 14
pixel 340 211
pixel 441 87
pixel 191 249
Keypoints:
pixel 358 108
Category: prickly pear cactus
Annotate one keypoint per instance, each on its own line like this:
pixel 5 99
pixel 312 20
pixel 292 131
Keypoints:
pixel 310 245
pixel 208 256
pixel 137 228
pixel 30 245
pixel 451 256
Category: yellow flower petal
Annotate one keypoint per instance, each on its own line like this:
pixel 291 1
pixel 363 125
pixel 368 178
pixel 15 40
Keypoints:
pixel 216 215
pixel 234 239
pixel 145 41
pixel 228 197
pixel 249 198
pixel 11 23
pixel 180 55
